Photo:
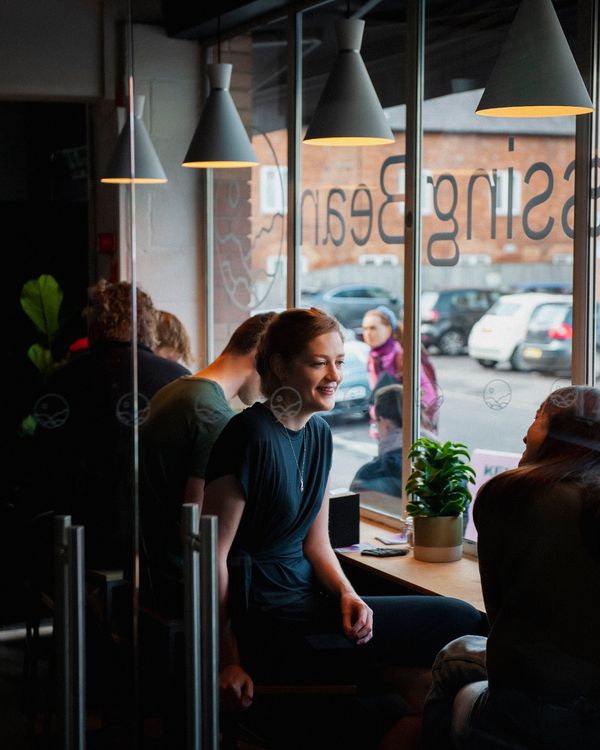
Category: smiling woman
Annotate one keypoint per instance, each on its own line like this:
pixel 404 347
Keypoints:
pixel 282 591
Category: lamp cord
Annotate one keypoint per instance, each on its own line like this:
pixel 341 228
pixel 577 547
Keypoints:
pixel 219 39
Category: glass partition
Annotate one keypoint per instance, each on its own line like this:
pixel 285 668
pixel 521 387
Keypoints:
pixel 352 220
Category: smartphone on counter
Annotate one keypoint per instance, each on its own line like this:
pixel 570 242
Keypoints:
pixel 384 552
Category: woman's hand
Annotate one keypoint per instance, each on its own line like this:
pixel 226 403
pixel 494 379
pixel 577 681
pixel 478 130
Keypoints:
pixel 357 618
pixel 236 688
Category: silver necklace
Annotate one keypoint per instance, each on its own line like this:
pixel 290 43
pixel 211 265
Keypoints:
pixel 300 471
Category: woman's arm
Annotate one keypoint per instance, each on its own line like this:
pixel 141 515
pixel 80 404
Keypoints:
pixel 224 498
pixel 357 617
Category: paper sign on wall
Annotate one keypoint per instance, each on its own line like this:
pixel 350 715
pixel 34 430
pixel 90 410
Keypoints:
pixel 487 464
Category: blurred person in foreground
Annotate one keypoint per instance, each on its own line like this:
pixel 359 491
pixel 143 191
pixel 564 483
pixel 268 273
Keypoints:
pixel 86 414
pixel 535 681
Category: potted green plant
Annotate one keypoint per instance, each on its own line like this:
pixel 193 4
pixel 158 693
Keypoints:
pixel 41 300
pixel 439 495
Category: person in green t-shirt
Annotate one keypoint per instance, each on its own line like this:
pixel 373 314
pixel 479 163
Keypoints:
pixel 175 441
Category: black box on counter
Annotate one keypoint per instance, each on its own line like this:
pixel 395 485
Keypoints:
pixel 344 518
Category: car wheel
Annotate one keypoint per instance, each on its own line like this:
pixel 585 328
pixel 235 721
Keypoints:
pixel 487 362
pixel 452 343
pixel 517 362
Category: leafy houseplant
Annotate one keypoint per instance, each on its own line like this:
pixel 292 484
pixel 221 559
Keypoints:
pixel 438 486
pixel 41 300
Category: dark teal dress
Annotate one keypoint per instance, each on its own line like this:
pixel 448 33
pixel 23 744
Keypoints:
pixel 287 628
pixel 268 569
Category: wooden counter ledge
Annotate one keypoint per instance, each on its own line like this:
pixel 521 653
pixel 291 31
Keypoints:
pixel 459 579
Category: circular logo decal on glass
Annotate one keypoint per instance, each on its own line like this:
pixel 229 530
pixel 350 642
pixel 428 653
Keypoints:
pixel 497 394
pixel 51 411
pixel 286 402
pixel 125 409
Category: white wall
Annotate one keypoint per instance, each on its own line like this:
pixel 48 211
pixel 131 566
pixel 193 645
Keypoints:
pixel 167 73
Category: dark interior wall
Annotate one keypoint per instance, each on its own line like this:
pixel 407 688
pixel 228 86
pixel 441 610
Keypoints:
pixel 44 218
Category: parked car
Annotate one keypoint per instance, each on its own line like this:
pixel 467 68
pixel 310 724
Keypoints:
pixel 549 287
pixel 448 315
pixel 353 395
pixel 349 302
pixel 548 343
pixel 496 336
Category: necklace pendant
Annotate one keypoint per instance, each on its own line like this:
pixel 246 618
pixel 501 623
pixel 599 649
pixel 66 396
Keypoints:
pixel 301 485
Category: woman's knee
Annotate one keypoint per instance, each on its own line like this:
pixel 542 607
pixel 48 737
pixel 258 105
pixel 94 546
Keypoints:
pixel 466 619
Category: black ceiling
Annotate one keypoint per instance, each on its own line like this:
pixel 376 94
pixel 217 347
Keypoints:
pixel 198 20
pixel 463 39
pixel 185 20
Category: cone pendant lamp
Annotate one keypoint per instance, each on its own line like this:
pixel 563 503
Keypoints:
pixel 535 74
pixel 148 169
pixel 349 112
pixel 220 139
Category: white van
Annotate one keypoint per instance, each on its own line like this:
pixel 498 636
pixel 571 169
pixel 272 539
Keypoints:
pixel 496 336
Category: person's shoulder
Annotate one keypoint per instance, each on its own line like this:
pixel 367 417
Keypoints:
pixel 367 471
pixel 390 459
pixel 320 424
pixel 75 372
pixel 148 358
pixel 186 393
pixel 256 417
pixel 170 387
pixel 252 424
pixel 565 493
pixel 198 386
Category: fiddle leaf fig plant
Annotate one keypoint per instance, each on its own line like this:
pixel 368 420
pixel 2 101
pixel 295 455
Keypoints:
pixel 438 482
pixel 41 299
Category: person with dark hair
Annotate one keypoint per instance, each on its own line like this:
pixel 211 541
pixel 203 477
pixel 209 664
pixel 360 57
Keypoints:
pixel 185 419
pixel 287 611
pixel 380 479
pixel 87 447
pixel 382 475
pixel 172 339
pixel 383 333
pixel 535 681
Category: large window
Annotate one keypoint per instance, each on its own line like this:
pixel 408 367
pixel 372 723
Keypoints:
pixel 503 192
pixel 497 211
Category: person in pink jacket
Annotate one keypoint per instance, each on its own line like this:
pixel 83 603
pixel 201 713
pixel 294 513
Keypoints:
pixel 383 333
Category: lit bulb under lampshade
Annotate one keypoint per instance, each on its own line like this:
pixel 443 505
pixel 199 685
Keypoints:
pixel 535 74
pixel 148 169
pixel 349 112
pixel 220 139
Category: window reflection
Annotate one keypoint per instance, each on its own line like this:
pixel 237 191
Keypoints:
pixel 250 239
pixel 352 217
pixel 498 247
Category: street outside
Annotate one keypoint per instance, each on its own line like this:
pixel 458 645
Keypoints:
pixel 483 408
